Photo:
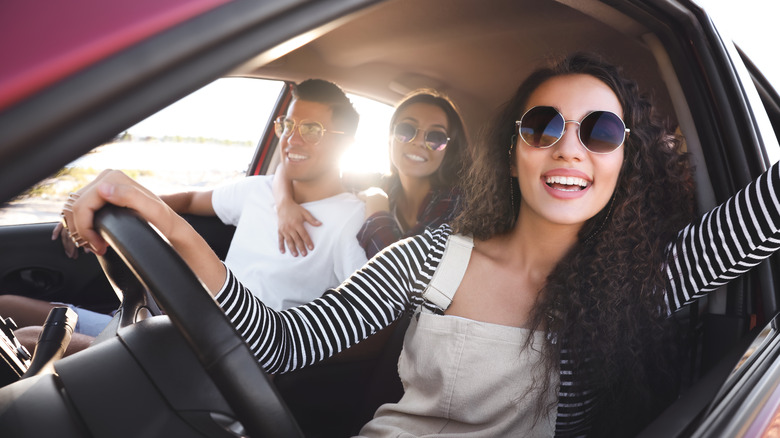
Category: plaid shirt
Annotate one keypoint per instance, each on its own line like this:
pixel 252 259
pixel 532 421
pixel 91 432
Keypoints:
pixel 383 228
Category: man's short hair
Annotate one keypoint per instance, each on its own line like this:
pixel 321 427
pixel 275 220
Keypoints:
pixel 330 94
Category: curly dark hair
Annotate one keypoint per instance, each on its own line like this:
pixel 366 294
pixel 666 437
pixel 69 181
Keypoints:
pixel 449 172
pixel 603 302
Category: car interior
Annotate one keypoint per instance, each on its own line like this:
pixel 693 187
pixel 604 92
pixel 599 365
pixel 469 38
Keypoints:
pixel 475 52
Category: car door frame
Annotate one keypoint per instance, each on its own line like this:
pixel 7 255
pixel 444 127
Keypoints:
pixel 729 119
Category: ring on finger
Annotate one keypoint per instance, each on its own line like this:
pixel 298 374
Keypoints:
pixel 77 239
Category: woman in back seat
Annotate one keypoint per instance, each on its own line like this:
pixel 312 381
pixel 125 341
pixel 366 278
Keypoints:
pixel 428 145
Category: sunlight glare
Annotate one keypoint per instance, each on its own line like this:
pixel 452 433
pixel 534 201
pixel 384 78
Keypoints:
pixel 369 153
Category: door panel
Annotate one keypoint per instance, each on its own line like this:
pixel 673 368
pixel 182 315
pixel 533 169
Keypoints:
pixel 31 264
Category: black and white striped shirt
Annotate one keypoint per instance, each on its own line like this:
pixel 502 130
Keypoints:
pixel 725 243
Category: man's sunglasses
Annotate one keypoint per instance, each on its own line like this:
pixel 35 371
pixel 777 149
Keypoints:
pixel 434 140
pixel 311 132
pixel 600 132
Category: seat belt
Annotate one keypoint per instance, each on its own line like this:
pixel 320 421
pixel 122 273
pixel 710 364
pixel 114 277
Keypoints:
pixel 450 272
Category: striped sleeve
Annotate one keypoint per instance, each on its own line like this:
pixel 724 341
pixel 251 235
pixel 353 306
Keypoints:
pixel 726 242
pixel 577 400
pixel 369 300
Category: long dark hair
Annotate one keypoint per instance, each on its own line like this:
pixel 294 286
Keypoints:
pixel 448 174
pixel 603 304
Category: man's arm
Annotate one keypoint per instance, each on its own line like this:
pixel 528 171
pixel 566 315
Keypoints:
pixel 196 202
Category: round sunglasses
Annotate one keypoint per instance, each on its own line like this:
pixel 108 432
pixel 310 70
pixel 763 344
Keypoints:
pixel 600 132
pixel 311 132
pixel 434 140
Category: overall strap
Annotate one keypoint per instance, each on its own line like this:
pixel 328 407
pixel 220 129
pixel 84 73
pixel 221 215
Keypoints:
pixel 450 272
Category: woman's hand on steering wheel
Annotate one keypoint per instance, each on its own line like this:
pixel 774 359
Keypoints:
pixel 114 187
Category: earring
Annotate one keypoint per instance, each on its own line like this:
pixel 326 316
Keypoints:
pixel 603 222
pixel 511 185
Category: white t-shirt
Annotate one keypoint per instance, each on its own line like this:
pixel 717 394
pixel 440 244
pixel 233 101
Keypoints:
pixel 280 280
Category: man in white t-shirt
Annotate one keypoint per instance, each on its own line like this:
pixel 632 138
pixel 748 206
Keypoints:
pixel 282 281
pixel 319 125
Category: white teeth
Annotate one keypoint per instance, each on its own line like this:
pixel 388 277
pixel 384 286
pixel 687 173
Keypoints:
pixel 415 157
pixel 567 181
pixel 296 157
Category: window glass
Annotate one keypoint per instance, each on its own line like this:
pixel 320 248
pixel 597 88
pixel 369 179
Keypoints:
pixel 369 153
pixel 202 140
pixel 753 29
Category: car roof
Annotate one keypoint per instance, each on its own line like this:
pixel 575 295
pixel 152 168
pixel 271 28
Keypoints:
pixel 476 52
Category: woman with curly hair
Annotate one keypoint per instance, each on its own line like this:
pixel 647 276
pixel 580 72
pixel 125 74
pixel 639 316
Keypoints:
pixel 600 296
pixel 543 309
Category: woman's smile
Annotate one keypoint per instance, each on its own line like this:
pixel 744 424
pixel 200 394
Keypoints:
pixel 566 183
pixel 415 157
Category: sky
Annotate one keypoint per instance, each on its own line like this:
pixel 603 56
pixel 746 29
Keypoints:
pixel 754 26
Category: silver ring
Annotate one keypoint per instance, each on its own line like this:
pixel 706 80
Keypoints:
pixel 77 239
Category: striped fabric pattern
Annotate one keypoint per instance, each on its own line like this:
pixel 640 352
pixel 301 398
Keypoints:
pixel 725 243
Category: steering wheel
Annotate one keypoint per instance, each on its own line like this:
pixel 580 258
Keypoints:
pixel 216 343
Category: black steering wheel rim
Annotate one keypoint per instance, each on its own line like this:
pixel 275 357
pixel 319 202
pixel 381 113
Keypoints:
pixel 191 309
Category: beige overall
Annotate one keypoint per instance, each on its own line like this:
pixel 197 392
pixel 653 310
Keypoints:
pixel 463 377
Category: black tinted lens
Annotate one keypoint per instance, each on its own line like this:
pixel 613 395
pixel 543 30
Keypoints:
pixel 436 140
pixel 404 132
pixel 541 126
pixel 602 131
